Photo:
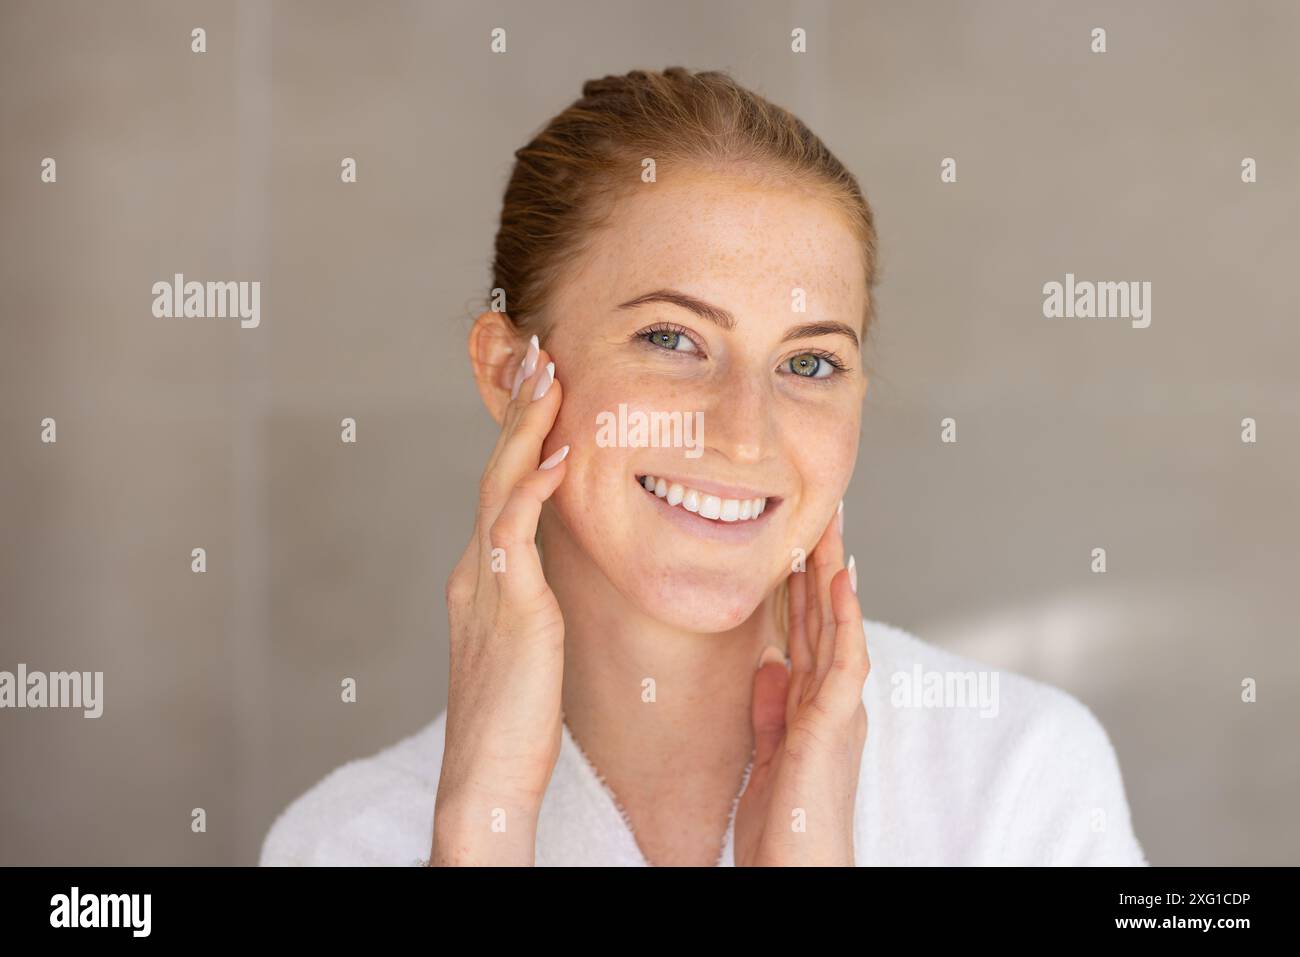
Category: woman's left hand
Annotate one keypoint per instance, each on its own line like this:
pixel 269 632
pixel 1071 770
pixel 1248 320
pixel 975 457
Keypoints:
pixel 810 724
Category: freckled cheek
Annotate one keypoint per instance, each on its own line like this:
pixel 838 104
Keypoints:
pixel 576 421
pixel 595 401
pixel 823 450
pixel 594 471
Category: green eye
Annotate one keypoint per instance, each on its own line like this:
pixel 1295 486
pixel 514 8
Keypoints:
pixel 811 366
pixel 669 338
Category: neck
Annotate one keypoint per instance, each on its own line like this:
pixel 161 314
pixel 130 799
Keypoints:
pixel 689 733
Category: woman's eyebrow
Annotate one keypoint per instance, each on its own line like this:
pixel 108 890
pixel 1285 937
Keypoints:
pixel 714 314
pixel 814 329
pixel 721 317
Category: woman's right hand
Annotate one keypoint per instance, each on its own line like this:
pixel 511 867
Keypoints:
pixel 504 720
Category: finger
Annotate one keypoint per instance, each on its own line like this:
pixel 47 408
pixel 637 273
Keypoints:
pixel 532 413
pixel 812 610
pixel 767 712
pixel 528 370
pixel 525 366
pixel 513 535
pixel 527 427
pixel 801 659
pixel 850 663
pixel 801 656
pixel 827 561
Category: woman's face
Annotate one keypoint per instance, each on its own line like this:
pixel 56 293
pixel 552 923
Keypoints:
pixel 759 397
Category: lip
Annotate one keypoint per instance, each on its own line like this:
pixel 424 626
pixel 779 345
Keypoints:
pixel 734 533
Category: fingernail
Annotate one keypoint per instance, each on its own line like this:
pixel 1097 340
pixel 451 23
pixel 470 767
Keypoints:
pixel 530 357
pixel 840 514
pixel 770 654
pixel 544 381
pixel 527 366
pixel 853 574
pixel 554 459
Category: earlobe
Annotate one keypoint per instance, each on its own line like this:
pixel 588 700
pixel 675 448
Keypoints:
pixel 495 349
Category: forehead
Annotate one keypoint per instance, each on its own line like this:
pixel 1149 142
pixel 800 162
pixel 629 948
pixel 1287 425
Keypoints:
pixel 737 242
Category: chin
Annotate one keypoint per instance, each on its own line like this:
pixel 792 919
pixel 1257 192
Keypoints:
pixel 697 600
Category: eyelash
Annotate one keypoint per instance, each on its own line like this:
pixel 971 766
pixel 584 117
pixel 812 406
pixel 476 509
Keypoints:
pixel 830 358
pixel 671 328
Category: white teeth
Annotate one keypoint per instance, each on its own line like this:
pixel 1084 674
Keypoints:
pixel 708 506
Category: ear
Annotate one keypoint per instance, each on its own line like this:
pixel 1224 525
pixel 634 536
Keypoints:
pixel 495 350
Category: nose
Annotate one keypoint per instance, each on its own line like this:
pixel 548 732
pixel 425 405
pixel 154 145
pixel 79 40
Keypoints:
pixel 738 419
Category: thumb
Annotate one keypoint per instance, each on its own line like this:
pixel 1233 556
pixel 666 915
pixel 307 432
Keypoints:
pixel 771 683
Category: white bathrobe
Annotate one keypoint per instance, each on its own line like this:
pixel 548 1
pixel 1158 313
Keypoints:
pixel 944 781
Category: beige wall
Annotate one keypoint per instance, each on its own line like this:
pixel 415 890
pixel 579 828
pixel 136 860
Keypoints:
pixel 327 561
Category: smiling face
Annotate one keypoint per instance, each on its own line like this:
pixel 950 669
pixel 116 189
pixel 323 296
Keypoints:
pixel 686 303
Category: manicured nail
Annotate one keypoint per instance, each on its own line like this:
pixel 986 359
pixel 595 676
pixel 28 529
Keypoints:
pixel 530 357
pixel 527 366
pixel 544 381
pixel 840 514
pixel 554 459
pixel 853 574
pixel 770 654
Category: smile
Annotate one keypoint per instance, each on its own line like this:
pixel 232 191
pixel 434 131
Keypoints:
pixel 704 504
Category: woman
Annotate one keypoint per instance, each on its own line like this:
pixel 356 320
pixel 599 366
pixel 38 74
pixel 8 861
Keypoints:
pixel 657 586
